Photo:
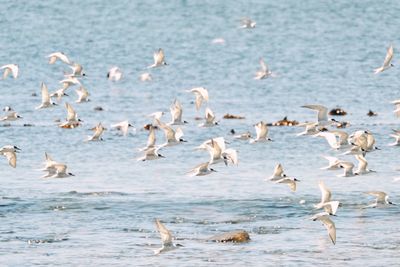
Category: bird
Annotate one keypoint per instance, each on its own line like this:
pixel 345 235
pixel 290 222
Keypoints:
pixel 57 170
pixel 114 74
pixel 122 126
pixel 53 57
pixel 144 77
pixel 11 116
pixel 387 62
pixel 46 100
pixel 311 129
pixel 247 23
pixel 9 148
pixel 176 113
pixel 10 68
pixel 151 140
pixel 166 239
pixel 348 169
pixel 9 151
pixel 325 195
pixel 151 154
pixel 243 136
pixel 70 81
pixel 210 119
pixel 201 95
pixel 322 115
pixel 59 94
pixel 328 223
pixel 278 173
pixel 261 133
pixel 382 199
pixel 98 131
pixel 291 182
pixel 173 137
pixel 72 120
pixel 362 165
pixel 219 140
pixel 219 153
pixel 201 170
pixel 264 72
pixel 159 59
pixel 330 138
pixel 83 95
pixel 333 163
pixel 77 70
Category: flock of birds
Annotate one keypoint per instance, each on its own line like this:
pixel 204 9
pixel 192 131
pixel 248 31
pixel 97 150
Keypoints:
pixel 359 144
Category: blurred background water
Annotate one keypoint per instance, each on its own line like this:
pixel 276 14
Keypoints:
pixel 323 52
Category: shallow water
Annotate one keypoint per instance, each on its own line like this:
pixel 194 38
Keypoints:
pixel 322 52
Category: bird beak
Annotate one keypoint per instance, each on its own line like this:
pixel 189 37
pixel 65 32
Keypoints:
pixel 66 94
pixel 17 148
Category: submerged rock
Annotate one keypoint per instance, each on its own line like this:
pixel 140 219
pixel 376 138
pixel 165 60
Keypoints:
pixel 231 116
pixel 238 236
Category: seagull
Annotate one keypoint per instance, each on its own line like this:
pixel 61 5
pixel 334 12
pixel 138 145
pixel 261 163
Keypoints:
pixel 72 118
pixel 262 132
pixel 311 129
pixel 243 136
pixel 144 77
pixel 348 169
pixel 201 95
pixel 333 163
pixel 158 59
pixel 166 239
pixel 201 170
pixel 46 100
pixel 57 170
pixel 98 131
pixel 264 72
pixel 173 137
pixel 83 95
pixel 291 182
pixel 53 57
pixel 247 23
pixel 10 68
pixel 176 113
pixel 210 117
pixel 278 173
pixel 328 223
pixel 114 74
pixel 122 126
pixel 386 63
pixel 381 199
pixel 322 116
pixel 151 154
pixel 70 81
pixel 362 165
pixel 11 116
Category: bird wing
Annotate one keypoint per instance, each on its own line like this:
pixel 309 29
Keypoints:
pixel 151 140
pixel 231 155
pixel 330 227
pixel 389 56
pixel 378 194
pixel 322 111
pixel 209 115
pixel 166 236
pixel 158 57
pixel 278 171
pixel 261 130
pixel 331 207
pixel 331 138
pixel 12 158
pixel 264 67
pixel 45 93
pixel 325 192
pixel 71 114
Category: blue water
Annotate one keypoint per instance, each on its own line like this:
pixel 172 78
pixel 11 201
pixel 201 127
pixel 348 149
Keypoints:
pixel 322 52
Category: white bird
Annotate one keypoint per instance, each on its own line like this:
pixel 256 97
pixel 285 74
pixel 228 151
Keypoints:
pixel 176 113
pixel 322 115
pixel 201 95
pixel 151 154
pixel 333 163
pixel 173 137
pixel 70 81
pixel 262 133
pixel 362 165
pixel 83 95
pixel 330 138
pixel 381 199
pixel 53 57
pixel 348 169
pixel 77 70
pixel 166 239
pixel 219 153
pixel 144 77
pixel 59 94
pixel 10 68
pixel 11 158
pixel 325 195
pixel 201 170
pixel 114 74
pixel 247 23
pixel 72 120
pixel 219 140
pixel 159 59
pixel 151 139
pixel 328 223
pixel 387 62
pixel 11 116
pixel 243 136
pixel 57 170
pixel 311 129
pixel 46 100
pixel 122 126
pixel 278 173
pixel 49 162
pixel 291 182
pixel 264 72
pixel 210 117
pixel 98 131
pixel 396 136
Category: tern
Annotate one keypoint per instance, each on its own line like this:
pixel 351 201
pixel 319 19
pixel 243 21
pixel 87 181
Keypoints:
pixel 325 195
pixel 362 165
pixel 151 140
pixel 72 118
pixel 262 133
pixel 176 113
pixel 328 223
pixel 53 57
pixel 218 153
pixel 59 94
pixel 201 170
pixel 166 239
pixel 10 68
pixel 322 115
pixel 83 95
pixel 210 117
pixel 348 169
pixel 247 23
pixel 291 182
pixel 70 81
pixel 387 62
pixel 173 137
pixel 159 59
pixel 151 154
pixel 57 170
pixel 219 140
pixel 264 72
pixel 114 74
pixel 11 116
pixel 77 70
pixel 98 131
pixel 122 126
pixel 333 163
pixel 46 100
pixel 330 138
pixel 201 95
pixel 382 199
pixel 278 173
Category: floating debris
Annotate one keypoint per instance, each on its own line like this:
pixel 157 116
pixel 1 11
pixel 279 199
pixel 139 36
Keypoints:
pixel 337 112
pixel 238 236
pixel 371 113
pixel 98 108
pixel 233 117
pixel 284 122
